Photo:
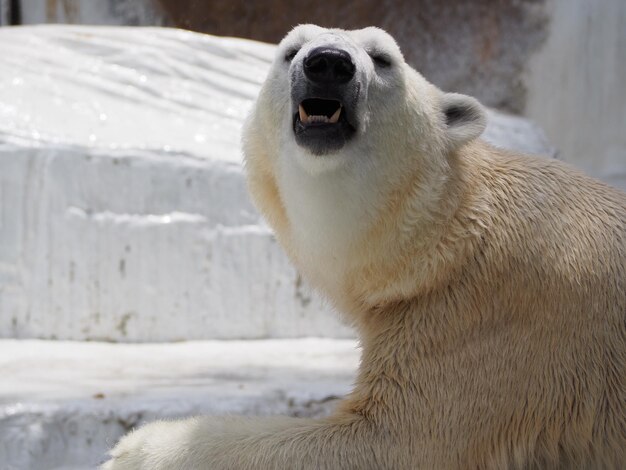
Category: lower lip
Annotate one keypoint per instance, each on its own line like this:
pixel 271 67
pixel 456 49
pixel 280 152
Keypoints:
pixel 318 124
pixel 322 138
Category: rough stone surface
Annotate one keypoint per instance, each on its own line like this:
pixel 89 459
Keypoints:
pixel 577 86
pixel 123 205
pixel 479 47
pixel 99 12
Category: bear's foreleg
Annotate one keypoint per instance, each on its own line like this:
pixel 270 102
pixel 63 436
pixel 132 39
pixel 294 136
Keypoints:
pixel 248 443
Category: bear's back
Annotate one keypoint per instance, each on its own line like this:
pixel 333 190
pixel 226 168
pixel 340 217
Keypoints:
pixel 556 256
pixel 556 219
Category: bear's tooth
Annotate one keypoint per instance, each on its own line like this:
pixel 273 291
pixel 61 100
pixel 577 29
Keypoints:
pixel 335 117
pixel 304 117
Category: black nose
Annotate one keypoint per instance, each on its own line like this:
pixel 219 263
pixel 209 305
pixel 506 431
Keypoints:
pixel 326 65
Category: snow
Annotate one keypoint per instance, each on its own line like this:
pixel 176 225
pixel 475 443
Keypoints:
pixel 63 404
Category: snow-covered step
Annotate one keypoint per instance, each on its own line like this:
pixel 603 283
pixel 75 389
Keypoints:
pixel 123 209
pixel 63 404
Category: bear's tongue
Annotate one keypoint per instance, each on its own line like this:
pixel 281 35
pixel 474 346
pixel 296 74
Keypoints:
pixel 306 119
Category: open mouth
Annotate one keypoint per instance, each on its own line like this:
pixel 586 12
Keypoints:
pixel 322 125
pixel 315 111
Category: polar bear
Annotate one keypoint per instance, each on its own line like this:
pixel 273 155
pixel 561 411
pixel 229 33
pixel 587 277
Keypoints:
pixel 488 289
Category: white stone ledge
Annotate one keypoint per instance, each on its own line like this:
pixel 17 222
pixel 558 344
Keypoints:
pixel 63 404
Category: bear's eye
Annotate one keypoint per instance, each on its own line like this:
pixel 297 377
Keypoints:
pixel 381 60
pixel 290 55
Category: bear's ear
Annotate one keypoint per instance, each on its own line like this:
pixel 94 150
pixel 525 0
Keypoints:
pixel 465 118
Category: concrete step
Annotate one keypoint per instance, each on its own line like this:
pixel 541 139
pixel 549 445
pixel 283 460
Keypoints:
pixel 63 404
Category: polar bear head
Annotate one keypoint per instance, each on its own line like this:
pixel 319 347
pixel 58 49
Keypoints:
pixel 335 96
pixel 342 131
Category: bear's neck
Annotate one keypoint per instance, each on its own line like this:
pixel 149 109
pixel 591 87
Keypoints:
pixel 364 239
